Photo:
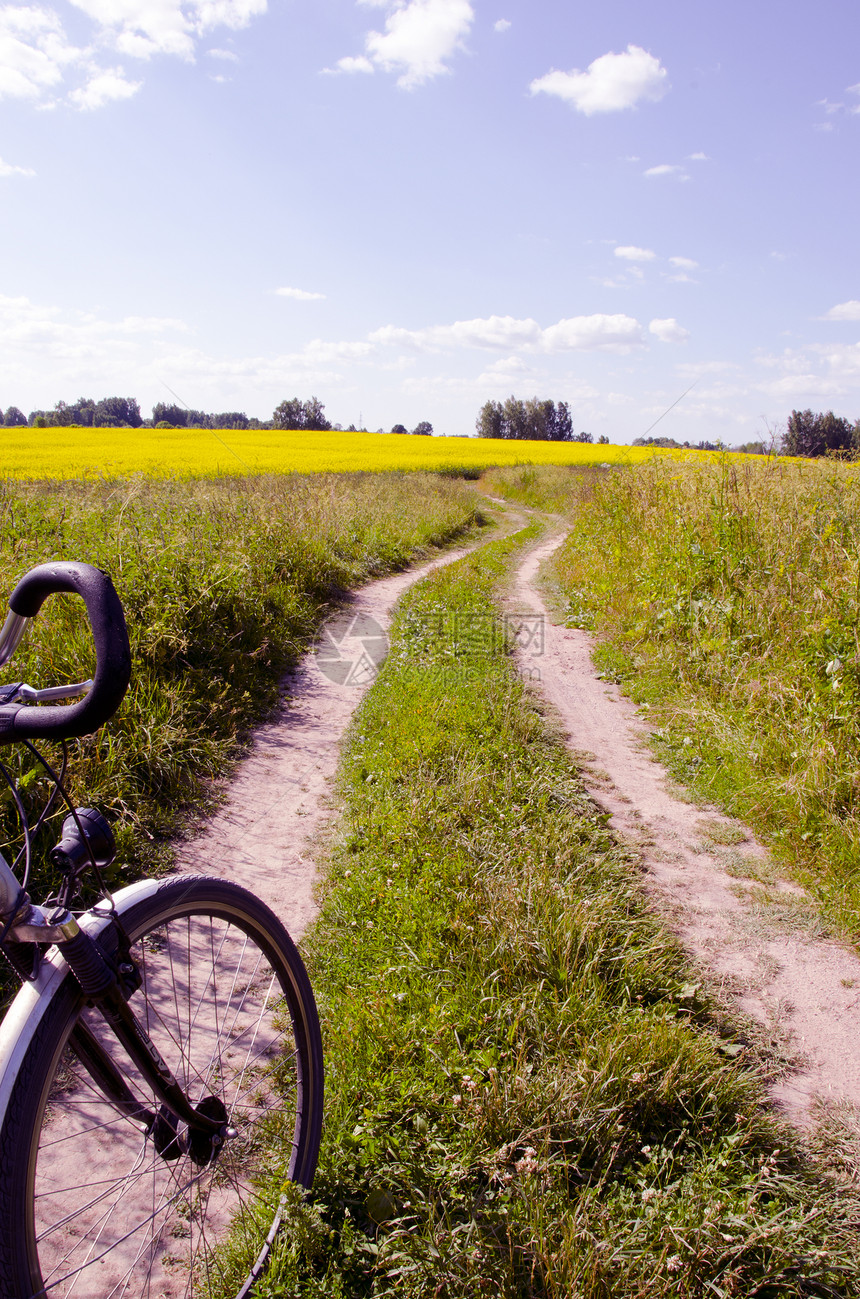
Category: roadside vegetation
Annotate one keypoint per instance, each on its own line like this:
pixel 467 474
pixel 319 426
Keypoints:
pixel 526 1095
pixel 224 584
pixel 726 598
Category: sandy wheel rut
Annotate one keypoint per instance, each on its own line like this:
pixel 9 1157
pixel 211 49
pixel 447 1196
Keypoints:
pixel 756 940
pixel 277 802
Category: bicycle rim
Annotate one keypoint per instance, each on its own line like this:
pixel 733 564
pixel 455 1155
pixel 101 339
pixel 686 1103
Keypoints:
pixel 226 1002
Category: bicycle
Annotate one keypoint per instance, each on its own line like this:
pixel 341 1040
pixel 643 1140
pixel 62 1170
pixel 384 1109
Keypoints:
pixel 161 1040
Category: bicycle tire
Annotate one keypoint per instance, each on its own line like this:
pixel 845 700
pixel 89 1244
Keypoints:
pixel 87 1205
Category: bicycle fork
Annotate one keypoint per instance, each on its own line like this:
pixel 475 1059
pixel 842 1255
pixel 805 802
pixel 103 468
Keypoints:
pixel 107 989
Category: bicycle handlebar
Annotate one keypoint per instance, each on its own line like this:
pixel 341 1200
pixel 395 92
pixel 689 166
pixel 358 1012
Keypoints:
pixel 113 655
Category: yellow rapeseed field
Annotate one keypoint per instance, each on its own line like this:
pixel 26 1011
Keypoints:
pixel 73 452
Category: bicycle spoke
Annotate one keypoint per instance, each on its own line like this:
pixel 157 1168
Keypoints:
pixel 147 1227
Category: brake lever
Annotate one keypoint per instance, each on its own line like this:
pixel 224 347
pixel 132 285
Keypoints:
pixel 18 692
pixel 50 694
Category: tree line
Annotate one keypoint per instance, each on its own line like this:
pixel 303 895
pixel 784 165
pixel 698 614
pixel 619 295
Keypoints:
pixel 536 419
pixel 124 412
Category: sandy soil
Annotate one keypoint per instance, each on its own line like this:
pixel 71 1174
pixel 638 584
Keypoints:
pixel 279 798
pixel 758 943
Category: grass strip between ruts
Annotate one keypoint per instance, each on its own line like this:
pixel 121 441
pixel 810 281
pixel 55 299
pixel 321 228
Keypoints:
pixel 525 1095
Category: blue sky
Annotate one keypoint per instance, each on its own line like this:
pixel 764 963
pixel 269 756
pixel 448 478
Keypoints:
pixel 405 207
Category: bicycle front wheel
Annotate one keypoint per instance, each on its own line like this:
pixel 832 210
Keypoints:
pixel 88 1205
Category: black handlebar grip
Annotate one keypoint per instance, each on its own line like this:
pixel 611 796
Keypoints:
pixel 113 655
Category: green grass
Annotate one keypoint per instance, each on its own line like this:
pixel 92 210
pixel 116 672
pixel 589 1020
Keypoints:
pixel 526 1094
pixel 727 599
pixel 549 488
pixel 224 584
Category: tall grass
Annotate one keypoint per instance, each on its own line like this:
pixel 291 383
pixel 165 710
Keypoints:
pixel 553 488
pixel 728 593
pixel 525 1095
pixel 223 583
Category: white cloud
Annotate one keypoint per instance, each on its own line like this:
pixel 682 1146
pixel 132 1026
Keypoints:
pixel 354 64
pixel 33 51
pixel 832 108
pixel 630 253
pixel 693 369
pixel 103 88
pixel 598 332
pixel 490 332
pixel 300 295
pixel 420 37
pixel 794 386
pixel 844 362
pixel 666 169
pixel 505 373
pixel 668 330
pixel 684 263
pixel 39 343
pixel 7 169
pixel 142 28
pixel 318 351
pixel 47 353
pixel 844 311
pixel 802 372
pixel 502 25
pixel 36 57
pixel 698 157
pixel 226 55
pixel 612 83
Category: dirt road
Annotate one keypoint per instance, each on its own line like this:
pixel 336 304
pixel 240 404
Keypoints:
pixel 758 944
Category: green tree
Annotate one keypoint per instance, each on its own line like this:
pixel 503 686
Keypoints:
pixel 810 435
pixel 117 412
pixel 423 430
pixel 298 414
pixel 490 421
pixel 79 412
pixel 538 419
pixel 230 419
pixel 515 419
pixel 314 415
pixel 174 416
pixel 399 428
pixel 14 418
pixel 197 419
pixel 563 423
